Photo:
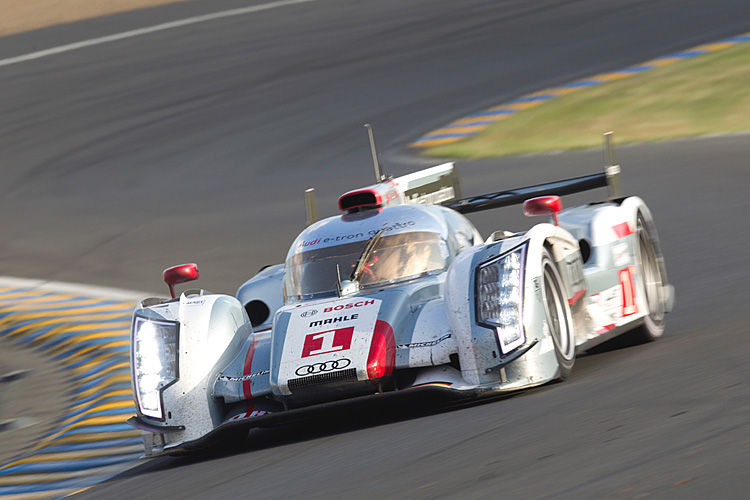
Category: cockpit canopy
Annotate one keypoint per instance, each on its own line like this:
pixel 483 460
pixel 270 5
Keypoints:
pixel 415 241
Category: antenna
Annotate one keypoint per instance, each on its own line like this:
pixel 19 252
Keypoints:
pixel 311 208
pixel 612 170
pixel 379 173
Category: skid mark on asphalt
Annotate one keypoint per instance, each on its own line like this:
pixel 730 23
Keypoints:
pixel 473 124
pixel 89 337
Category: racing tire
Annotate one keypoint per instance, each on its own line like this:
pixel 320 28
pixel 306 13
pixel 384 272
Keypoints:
pixel 650 269
pixel 558 316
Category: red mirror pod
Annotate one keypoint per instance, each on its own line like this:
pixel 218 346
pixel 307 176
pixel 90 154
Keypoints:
pixel 543 205
pixel 180 274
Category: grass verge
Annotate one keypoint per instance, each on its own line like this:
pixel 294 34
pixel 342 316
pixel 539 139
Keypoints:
pixel 708 94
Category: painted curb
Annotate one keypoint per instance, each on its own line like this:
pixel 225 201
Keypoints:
pixel 475 123
pixel 89 336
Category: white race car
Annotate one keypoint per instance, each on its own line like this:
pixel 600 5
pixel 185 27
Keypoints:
pixel 396 295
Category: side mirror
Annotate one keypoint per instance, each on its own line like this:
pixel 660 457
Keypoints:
pixel 179 274
pixel 543 205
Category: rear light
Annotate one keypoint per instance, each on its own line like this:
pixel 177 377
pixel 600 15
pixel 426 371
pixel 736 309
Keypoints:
pixel 382 357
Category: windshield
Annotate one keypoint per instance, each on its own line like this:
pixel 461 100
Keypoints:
pixel 313 274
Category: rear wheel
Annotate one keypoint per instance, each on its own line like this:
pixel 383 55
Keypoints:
pixel 650 268
pixel 559 320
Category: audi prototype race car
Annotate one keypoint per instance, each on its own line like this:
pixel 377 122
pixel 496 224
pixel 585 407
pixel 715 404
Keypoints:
pixel 399 294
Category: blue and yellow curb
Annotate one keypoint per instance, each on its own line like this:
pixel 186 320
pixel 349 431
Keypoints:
pixel 89 338
pixel 475 123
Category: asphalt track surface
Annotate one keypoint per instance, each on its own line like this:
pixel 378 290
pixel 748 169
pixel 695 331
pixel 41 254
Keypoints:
pixel 196 145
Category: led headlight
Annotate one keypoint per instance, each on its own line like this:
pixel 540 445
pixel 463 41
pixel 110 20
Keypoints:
pixel 499 284
pixel 154 345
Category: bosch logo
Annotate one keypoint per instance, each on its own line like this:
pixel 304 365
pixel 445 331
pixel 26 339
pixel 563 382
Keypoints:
pixel 309 312
pixel 328 366
pixel 339 307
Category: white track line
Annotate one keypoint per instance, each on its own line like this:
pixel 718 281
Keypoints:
pixel 151 29
pixel 76 289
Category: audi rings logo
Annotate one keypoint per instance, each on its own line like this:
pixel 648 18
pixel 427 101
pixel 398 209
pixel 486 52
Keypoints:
pixel 328 366
pixel 309 312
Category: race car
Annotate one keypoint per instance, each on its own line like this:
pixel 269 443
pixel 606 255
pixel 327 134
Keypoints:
pixel 399 294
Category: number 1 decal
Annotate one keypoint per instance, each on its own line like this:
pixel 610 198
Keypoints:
pixel 628 291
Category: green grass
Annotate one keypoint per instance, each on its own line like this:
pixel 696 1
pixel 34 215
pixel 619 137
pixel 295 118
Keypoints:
pixel 708 94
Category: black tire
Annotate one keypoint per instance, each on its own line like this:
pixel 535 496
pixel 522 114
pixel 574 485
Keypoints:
pixel 559 319
pixel 651 278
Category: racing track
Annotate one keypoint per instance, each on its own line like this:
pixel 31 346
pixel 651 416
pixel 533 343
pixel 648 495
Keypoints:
pixel 196 145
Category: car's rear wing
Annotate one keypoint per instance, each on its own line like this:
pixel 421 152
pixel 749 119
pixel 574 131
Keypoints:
pixel 610 179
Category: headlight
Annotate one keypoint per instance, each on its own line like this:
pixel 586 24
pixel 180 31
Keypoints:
pixel 154 346
pixel 499 297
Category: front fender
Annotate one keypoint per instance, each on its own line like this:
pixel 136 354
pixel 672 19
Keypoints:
pixel 479 350
pixel 212 328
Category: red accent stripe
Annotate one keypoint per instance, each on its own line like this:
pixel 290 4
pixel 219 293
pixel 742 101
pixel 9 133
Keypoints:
pixel 606 329
pixel 248 369
pixel 623 229
pixel 575 298
pixel 629 306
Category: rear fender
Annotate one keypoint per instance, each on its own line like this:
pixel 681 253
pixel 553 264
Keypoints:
pixel 616 292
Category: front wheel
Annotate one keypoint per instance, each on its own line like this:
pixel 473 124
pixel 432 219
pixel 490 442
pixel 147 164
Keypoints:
pixel 558 318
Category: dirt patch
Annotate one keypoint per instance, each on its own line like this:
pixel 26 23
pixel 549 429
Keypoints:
pixel 32 14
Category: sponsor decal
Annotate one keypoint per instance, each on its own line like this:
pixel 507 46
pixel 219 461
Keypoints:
pixel 424 344
pixel 252 414
pixel 351 237
pixel 623 229
pixel 309 313
pixel 575 271
pixel 537 288
pixel 228 378
pixel 318 241
pixel 337 319
pixel 620 254
pixel 328 366
pixel 342 328
pixel 444 194
pixel 350 305
pixel 393 227
pixel 197 302
pixel 327 342
pixel 609 302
